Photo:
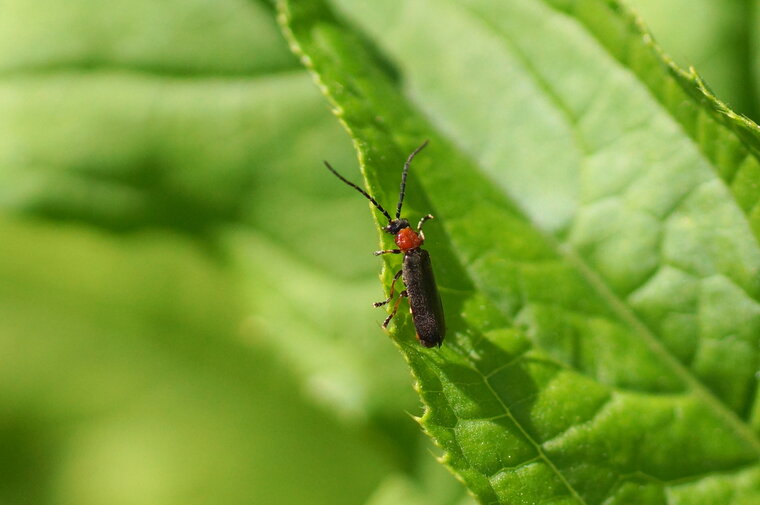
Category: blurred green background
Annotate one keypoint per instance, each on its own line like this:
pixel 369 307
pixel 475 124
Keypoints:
pixel 184 290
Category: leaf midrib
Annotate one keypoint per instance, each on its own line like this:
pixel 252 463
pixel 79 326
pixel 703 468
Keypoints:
pixel 328 94
pixel 625 314
pixel 748 151
pixel 596 282
pixel 564 250
pixel 717 107
pixel 539 448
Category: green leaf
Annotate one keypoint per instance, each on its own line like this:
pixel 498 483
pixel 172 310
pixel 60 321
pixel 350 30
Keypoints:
pixel 596 243
pixel 715 37
pixel 123 375
pixel 147 122
pixel 128 115
pixel 199 334
pixel 753 45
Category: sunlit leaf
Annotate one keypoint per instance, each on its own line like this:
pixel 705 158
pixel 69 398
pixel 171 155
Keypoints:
pixel 599 275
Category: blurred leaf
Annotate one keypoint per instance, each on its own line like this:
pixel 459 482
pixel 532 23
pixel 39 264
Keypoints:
pixel 191 38
pixel 191 126
pixel 146 121
pixel 600 277
pixel 397 489
pixel 713 36
pixel 129 114
pixel 430 484
pixel 115 387
pixel 754 46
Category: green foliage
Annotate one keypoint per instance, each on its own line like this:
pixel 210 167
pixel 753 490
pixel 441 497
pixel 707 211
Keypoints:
pixel 596 243
pixel 175 326
pixel 185 291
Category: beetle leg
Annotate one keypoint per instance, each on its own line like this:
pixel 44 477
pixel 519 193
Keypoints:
pixel 387 251
pixel 390 295
pixel 422 222
pixel 403 294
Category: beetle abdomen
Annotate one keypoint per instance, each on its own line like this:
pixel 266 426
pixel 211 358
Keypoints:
pixel 424 300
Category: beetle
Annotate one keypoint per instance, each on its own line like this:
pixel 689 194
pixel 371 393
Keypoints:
pixel 417 269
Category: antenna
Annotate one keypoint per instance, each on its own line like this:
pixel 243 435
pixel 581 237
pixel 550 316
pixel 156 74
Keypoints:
pixel 403 178
pixel 360 190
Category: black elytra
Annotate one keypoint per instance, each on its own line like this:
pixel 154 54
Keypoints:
pixel 424 299
pixel 416 270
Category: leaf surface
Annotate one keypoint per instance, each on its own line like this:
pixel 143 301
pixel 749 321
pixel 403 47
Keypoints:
pixel 149 122
pixel 202 326
pixel 714 37
pixel 596 243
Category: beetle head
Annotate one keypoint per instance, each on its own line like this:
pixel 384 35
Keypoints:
pixel 395 226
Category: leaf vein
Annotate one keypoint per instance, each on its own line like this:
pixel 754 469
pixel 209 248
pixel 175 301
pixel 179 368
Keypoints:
pixel 594 279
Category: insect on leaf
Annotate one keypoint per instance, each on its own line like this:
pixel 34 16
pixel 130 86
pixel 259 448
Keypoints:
pixel 596 243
